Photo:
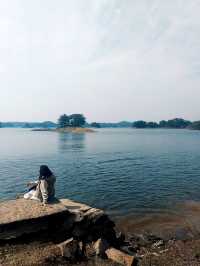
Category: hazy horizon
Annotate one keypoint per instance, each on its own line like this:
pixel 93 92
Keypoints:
pixel 110 60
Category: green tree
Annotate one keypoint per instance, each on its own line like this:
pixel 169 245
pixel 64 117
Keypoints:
pixel 178 123
pixel 27 125
pixel 0 124
pixel 63 121
pixel 140 124
pixel 152 125
pixel 195 125
pixel 163 123
pixel 175 123
pixel 77 120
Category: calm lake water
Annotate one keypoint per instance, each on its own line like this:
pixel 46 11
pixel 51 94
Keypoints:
pixel 124 171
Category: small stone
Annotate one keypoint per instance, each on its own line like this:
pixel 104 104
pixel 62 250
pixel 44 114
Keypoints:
pixel 77 216
pixel 158 244
pixel 120 257
pixel 100 247
pixel 89 250
pixel 128 249
pixel 69 249
pixel 152 238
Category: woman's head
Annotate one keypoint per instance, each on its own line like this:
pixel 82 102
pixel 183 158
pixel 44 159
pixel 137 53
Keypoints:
pixel 45 172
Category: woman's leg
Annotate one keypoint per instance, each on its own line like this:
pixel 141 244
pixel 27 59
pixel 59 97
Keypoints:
pixel 28 195
pixel 31 195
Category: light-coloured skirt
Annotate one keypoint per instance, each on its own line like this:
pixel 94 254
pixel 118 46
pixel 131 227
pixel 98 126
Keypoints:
pixel 31 195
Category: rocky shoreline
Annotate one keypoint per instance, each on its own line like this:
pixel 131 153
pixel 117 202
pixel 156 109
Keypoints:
pixel 71 233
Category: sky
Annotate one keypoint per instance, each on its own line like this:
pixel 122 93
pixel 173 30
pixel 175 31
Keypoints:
pixel 111 60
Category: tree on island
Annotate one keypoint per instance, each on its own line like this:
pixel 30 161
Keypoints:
pixel 77 120
pixel 0 124
pixel 63 121
pixel 74 120
pixel 95 124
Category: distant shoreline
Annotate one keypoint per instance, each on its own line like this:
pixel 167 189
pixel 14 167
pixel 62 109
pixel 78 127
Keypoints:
pixel 176 123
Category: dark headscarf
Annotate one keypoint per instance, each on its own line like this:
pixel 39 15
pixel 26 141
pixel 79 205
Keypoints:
pixel 45 172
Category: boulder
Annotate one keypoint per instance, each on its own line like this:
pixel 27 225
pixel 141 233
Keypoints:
pixel 69 249
pixel 21 217
pixel 100 246
pixel 120 257
pixel 89 250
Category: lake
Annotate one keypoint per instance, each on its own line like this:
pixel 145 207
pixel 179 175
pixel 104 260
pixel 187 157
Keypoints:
pixel 123 171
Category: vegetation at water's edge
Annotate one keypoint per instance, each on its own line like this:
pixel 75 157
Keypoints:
pixel 45 124
pixel 195 125
pixel 95 125
pixel 173 123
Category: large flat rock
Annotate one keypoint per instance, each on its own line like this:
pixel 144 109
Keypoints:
pixel 20 216
pixel 21 209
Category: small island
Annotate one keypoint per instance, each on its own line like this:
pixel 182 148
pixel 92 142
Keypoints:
pixel 74 123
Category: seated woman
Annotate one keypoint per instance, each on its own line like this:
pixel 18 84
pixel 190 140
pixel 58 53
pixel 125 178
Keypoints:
pixel 43 189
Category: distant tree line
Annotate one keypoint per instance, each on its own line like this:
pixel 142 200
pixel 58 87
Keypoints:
pixel 195 125
pixel 74 120
pixel 122 124
pixel 78 120
pixel 173 123
pixel 95 124
pixel 45 124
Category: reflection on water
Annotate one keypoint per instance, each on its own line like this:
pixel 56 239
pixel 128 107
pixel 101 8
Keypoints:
pixel 71 142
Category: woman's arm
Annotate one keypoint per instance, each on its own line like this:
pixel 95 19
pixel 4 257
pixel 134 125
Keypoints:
pixel 32 183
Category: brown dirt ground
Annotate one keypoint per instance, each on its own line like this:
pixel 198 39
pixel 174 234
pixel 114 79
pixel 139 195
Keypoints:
pixel 40 254
pixel 178 253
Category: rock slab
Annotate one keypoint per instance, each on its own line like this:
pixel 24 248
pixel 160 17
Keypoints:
pixel 120 257
pixel 21 217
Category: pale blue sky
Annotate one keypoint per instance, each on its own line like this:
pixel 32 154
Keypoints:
pixel 109 59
